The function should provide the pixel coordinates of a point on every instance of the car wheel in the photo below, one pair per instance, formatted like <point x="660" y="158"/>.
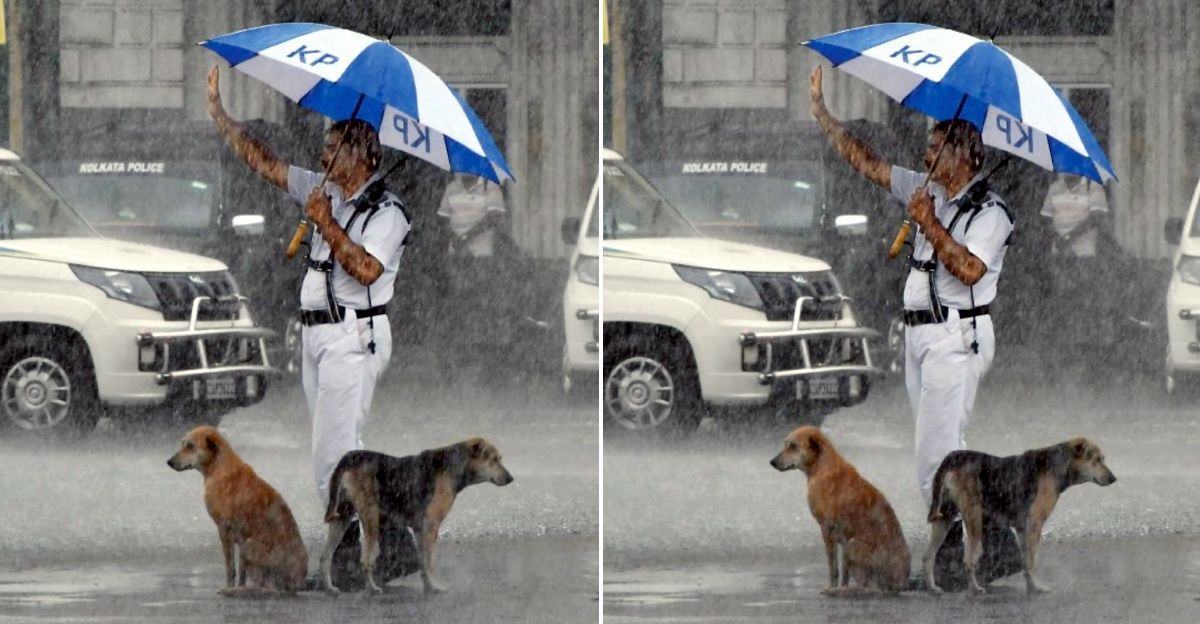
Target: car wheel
<point x="650" y="386"/>
<point x="46" y="387"/>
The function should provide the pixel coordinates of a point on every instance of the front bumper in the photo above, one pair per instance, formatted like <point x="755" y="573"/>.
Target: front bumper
<point x="829" y="364"/>
<point x="237" y="354"/>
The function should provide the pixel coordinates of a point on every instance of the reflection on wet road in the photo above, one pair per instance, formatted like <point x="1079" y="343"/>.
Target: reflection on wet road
<point x="103" y="528"/>
<point x="731" y="538"/>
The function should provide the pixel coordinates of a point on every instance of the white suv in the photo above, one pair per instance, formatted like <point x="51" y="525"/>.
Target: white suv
<point x="581" y="301"/>
<point x="691" y="321"/>
<point x="1183" y="302"/>
<point x="90" y="324"/>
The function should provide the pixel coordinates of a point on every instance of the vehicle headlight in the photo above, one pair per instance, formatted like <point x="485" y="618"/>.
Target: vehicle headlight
<point x="723" y="285"/>
<point x="1189" y="269"/>
<point x="587" y="269"/>
<point x="120" y="285"/>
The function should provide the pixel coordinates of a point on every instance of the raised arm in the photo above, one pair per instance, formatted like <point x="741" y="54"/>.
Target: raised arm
<point x="861" y="156"/>
<point x="258" y="156"/>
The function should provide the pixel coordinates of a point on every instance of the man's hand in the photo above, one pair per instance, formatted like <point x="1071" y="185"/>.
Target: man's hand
<point x="816" y="94"/>
<point x="215" y="109"/>
<point x="920" y="209"/>
<point x="862" y="157"/>
<point x="318" y="208"/>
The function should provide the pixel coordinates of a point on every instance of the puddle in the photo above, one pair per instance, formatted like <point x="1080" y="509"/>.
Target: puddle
<point x="654" y="587"/>
<point x="46" y="587"/>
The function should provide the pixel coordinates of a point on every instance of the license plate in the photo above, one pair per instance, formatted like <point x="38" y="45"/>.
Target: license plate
<point x="819" y="388"/>
<point x="220" y="388"/>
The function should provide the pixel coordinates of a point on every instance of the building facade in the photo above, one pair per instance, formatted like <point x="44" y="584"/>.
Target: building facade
<point x="1129" y="66"/>
<point x="82" y="70"/>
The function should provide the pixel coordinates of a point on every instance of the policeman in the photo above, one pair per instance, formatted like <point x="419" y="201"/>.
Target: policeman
<point x="352" y="262"/>
<point x="956" y="261"/>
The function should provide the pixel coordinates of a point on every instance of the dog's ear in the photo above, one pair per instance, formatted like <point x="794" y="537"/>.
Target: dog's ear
<point x="1078" y="447"/>
<point x="476" y="446"/>
<point x="210" y="443"/>
<point x="814" y="444"/>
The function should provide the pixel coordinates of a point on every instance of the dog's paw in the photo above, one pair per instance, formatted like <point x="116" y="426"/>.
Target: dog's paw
<point x="434" y="587"/>
<point x="1034" y="587"/>
<point x="978" y="590"/>
<point x="331" y="590"/>
<point x="934" y="589"/>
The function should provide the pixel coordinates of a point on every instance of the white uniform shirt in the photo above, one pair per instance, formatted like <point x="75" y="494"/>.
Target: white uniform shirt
<point x="986" y="240"/>
<point x="1069" y="204"/>
<point x="465" y="206"/>
<point x="381" y="238"/>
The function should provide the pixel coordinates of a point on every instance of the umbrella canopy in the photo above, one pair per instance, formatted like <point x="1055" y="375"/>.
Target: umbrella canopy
<point x="340" y="73"/>
<point x="939" y="72"/>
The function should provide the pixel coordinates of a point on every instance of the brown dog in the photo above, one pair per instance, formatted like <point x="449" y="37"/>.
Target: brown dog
<point x="250" y="515"/>
<point x="1018" y="491"/>
<point x="852" y="514"/>
<point x="416" y="491"/>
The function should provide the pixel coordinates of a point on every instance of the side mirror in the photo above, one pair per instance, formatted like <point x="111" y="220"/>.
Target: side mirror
<point x="248" y="225"/>
<point x="850" y="225"/>
<point x="570" y="231"/>
<point x="1173" y="230"/>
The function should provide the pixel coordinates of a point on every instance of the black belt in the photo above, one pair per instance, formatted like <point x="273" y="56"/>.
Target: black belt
<point x="309" y="318"/>
<point x="922" y="265"/>
<point x="925" y="317"/>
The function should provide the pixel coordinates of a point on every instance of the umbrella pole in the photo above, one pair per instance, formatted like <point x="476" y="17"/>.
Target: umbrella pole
<point x="302" y="227"/>
<point x="902" y="234"/>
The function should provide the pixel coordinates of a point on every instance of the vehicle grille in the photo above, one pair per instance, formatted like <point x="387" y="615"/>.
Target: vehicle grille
<point x="779" y="292"/>
<point x="176" y="291"/>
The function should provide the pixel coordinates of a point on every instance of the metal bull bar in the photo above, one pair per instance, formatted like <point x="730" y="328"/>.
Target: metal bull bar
<point x="161" y="361"/>
<point x="594" y="316"/>
<point x="768" y="340"/>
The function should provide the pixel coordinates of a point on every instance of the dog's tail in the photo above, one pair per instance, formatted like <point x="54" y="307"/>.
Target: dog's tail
<point x="936" y="512"/>
<point x="333" y="511"/>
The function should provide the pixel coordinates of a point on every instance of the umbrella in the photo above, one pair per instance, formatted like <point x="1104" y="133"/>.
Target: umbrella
<point x="343" y="74"/>
<point x="949" y="75"/>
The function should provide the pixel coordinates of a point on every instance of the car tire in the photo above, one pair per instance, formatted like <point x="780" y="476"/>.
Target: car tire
<point x="650" y="384"/>
<point x="47" y="388"/>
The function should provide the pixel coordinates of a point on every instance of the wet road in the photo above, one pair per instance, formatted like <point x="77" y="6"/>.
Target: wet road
<point x="731" y="539"/>
<point x="103" y="530"/>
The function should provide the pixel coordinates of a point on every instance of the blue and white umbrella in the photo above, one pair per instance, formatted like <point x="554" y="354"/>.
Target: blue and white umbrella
<point x="938" y="71"/>
<point x="340" y="73"/>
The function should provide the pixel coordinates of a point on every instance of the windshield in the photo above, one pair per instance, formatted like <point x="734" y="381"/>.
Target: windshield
<point x="634" y="209"/>
<point x="139" y="201"/>
<point x="29" y="208"/>
<point x="593" y="228"/>
<point x="753" y="195"/>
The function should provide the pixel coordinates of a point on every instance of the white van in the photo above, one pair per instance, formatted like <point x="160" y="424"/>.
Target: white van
<point x="691" y="321"/>
<point x="89" y="324"/>
<point x="581" y="301"/>
<point x="1183" y="301"/>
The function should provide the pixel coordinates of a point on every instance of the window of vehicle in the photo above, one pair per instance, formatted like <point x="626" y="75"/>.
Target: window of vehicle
<point x="163" y="202"/>
<point x="29" y="208"/>
<point x="635" y="209"/>
<point x="771" y="196"/>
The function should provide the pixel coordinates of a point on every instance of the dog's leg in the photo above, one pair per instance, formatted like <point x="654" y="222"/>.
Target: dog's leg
<point x="227" y="550"/>
<point x="337" y="530"/>
<point x="972" y="517"/>
<point x="428" y="542"/>
<point x="831" y="554"/>
<point x="937" y="534"/>
<point x="369" y="519"/>
<point x="1031" y="537"/>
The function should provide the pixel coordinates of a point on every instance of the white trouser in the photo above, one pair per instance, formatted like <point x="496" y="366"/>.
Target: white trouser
<point x="339" y="380"/>
<point x="942" y="374"/>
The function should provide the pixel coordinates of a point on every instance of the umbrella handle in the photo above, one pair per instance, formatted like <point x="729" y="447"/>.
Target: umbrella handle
<point x="898" y="242"/>
<point x="297" y="238"/>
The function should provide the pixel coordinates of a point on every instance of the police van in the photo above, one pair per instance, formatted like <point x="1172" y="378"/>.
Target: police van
<point x="692" y="322"/>
<point x="90" y="324"/>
